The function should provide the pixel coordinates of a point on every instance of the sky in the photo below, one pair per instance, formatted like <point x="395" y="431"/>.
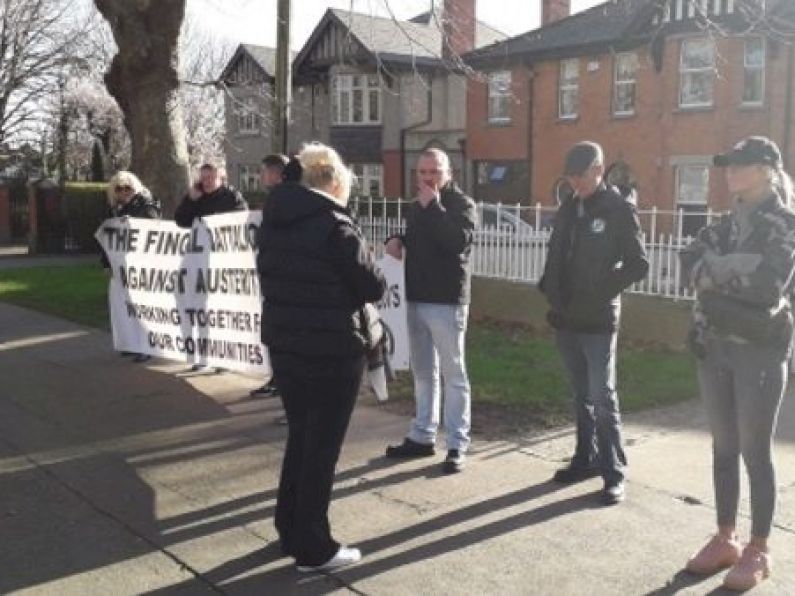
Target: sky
<point x="254" y="21"/>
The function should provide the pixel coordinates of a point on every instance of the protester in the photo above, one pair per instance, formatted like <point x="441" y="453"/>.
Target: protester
<point x="208" y="196"/>
<point x="440" y="226"/>
<point x="595" y="252"/>
<point x="128" y="197"/>
<point x="270" y="175"/>
<point x="742" y="269"/>
<point x="316" y="276"/>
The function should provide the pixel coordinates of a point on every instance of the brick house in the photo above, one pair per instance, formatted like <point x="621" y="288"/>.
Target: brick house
<point x="378" y="90"/>
<point x="658" y="85"/>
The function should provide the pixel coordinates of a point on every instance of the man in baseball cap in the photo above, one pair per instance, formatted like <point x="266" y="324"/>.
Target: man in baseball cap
<point x="595" y="253"/>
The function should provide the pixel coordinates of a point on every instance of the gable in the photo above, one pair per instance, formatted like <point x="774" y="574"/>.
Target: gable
<point x="250" y="65"/>
<point x="335" y="44"/>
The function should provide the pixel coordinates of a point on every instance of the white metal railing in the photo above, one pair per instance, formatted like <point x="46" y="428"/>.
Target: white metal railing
<point x="511" y="240"/>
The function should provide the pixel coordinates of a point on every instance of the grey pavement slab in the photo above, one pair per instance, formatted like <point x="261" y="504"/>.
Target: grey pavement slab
<point x="117" y="478"/>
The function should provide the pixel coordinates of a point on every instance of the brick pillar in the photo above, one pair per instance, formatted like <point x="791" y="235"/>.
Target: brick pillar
<point x="458" y="26"/>
<point x="554" y="10"/>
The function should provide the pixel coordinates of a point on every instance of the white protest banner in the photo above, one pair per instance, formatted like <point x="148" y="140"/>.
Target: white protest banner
<point x="392" y="308"/>
<point x="193" y="295"/>
<point x="187" y="294"/>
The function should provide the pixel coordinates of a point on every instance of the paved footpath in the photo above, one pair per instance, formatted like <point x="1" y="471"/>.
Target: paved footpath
<point x="118" y="478"/>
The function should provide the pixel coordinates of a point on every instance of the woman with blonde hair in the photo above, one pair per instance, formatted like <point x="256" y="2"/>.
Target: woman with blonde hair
<point x="128" y="197"/>
<point x="742" y="269"/>
<point x="316" y="276"/>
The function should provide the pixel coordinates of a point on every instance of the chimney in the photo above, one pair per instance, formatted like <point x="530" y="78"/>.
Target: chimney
<point x="554" y="10"/>
<point x="458" y="27"/>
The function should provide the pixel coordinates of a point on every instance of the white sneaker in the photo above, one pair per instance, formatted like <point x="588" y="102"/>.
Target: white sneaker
<point x="345" y="556"/>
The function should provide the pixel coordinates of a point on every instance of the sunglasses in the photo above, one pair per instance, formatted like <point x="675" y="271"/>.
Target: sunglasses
<point x="122" y="188"/>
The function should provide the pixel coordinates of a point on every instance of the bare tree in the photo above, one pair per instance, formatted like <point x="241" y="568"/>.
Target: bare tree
<point x="144" y="80"/>
<point x="38" y="39"/>
<point x="204" y="56"/>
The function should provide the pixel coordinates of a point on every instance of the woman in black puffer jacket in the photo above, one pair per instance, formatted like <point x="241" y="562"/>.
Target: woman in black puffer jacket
<point x="128" y="197"/>
<point x="316" y="275"/>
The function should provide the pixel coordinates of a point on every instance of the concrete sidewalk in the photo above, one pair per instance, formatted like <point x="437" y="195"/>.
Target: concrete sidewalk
<point x="118" y="478"/>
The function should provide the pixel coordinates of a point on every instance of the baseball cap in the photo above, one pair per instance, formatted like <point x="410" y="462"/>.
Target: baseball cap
<point x="581" y="157"/>
<point x="751" y="151"/>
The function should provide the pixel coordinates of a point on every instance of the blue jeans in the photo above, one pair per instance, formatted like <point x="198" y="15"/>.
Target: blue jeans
<point x="436" y="341"/>
<point x="590" y="362"/>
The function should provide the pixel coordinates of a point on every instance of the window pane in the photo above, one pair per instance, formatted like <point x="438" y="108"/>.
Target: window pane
<point x="755" y="52"/>
<point x="698" y="54"/>
<point x="345" y="107"/>
<point x="693" y="184"/>
<point x="626" y="67"/>
<point x="357" y="80"/>
<point x="358" y="105"/>
<point x="374" y="115"/>
<point x="569" y="102"/>
<point x="372" y="81"/>
<point x="625" y="98"/>
<point x="697" y="88"/>
<point x="569" y="69"/>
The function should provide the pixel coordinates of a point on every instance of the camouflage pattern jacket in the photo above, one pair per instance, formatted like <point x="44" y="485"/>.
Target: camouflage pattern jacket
<point x="743" y="276"/>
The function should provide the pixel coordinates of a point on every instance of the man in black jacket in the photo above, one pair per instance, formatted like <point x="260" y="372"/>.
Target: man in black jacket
<point x="440" y="228"/>
<point x="595" y="252"/>
<point x="209" y="196"/>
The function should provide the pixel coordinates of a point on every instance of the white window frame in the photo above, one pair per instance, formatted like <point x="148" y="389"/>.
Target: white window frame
<point x="692" y="164"/>
<point x="366" y="174"/>
<point x="499" y="99"/>
<point x="752" y="68"/>
<point x="344" y="89"/>
<point x="620" y="83"/>
<point x="248" y="120"/>
<point x="687" y="72"/>
<point x="569" y="85"/>
<point x="248" y="178"/>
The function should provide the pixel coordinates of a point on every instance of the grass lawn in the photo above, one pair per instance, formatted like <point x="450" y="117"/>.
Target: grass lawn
<point x="77" y="293"/>
<point x="520" y="371"/>
<point x="510" y="367"/>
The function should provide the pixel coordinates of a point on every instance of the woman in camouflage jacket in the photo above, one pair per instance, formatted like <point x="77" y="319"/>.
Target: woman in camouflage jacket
<point x="742" y="270"/>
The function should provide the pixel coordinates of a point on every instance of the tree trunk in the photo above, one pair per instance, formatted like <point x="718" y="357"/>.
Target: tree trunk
<point x="143" y="78"/>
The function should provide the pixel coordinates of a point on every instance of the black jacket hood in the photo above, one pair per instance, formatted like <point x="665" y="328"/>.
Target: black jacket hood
<point x="291" y="202"/>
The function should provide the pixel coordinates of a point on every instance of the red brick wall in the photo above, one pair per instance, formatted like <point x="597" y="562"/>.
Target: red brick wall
<point x="498" y="142"/>
<point x="659" y="130"/>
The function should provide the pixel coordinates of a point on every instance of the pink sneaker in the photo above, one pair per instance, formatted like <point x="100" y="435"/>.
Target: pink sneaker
<point x="717" y="554"/>
<point x="753" y="567"/>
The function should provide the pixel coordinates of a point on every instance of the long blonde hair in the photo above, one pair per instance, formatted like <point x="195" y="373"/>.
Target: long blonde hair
<point x="123" y="178"/>
<point x="323" y="169"/>
<point x="781" y="181"/>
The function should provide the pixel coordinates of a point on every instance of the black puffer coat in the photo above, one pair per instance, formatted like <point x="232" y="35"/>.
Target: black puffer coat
<point x="316" y="274"/>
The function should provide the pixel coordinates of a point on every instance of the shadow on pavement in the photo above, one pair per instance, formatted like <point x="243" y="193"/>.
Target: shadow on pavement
<point x="284" y="579"/>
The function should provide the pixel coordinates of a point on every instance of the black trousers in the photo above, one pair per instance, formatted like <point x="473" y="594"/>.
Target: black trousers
<point x="318" y="394"/>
